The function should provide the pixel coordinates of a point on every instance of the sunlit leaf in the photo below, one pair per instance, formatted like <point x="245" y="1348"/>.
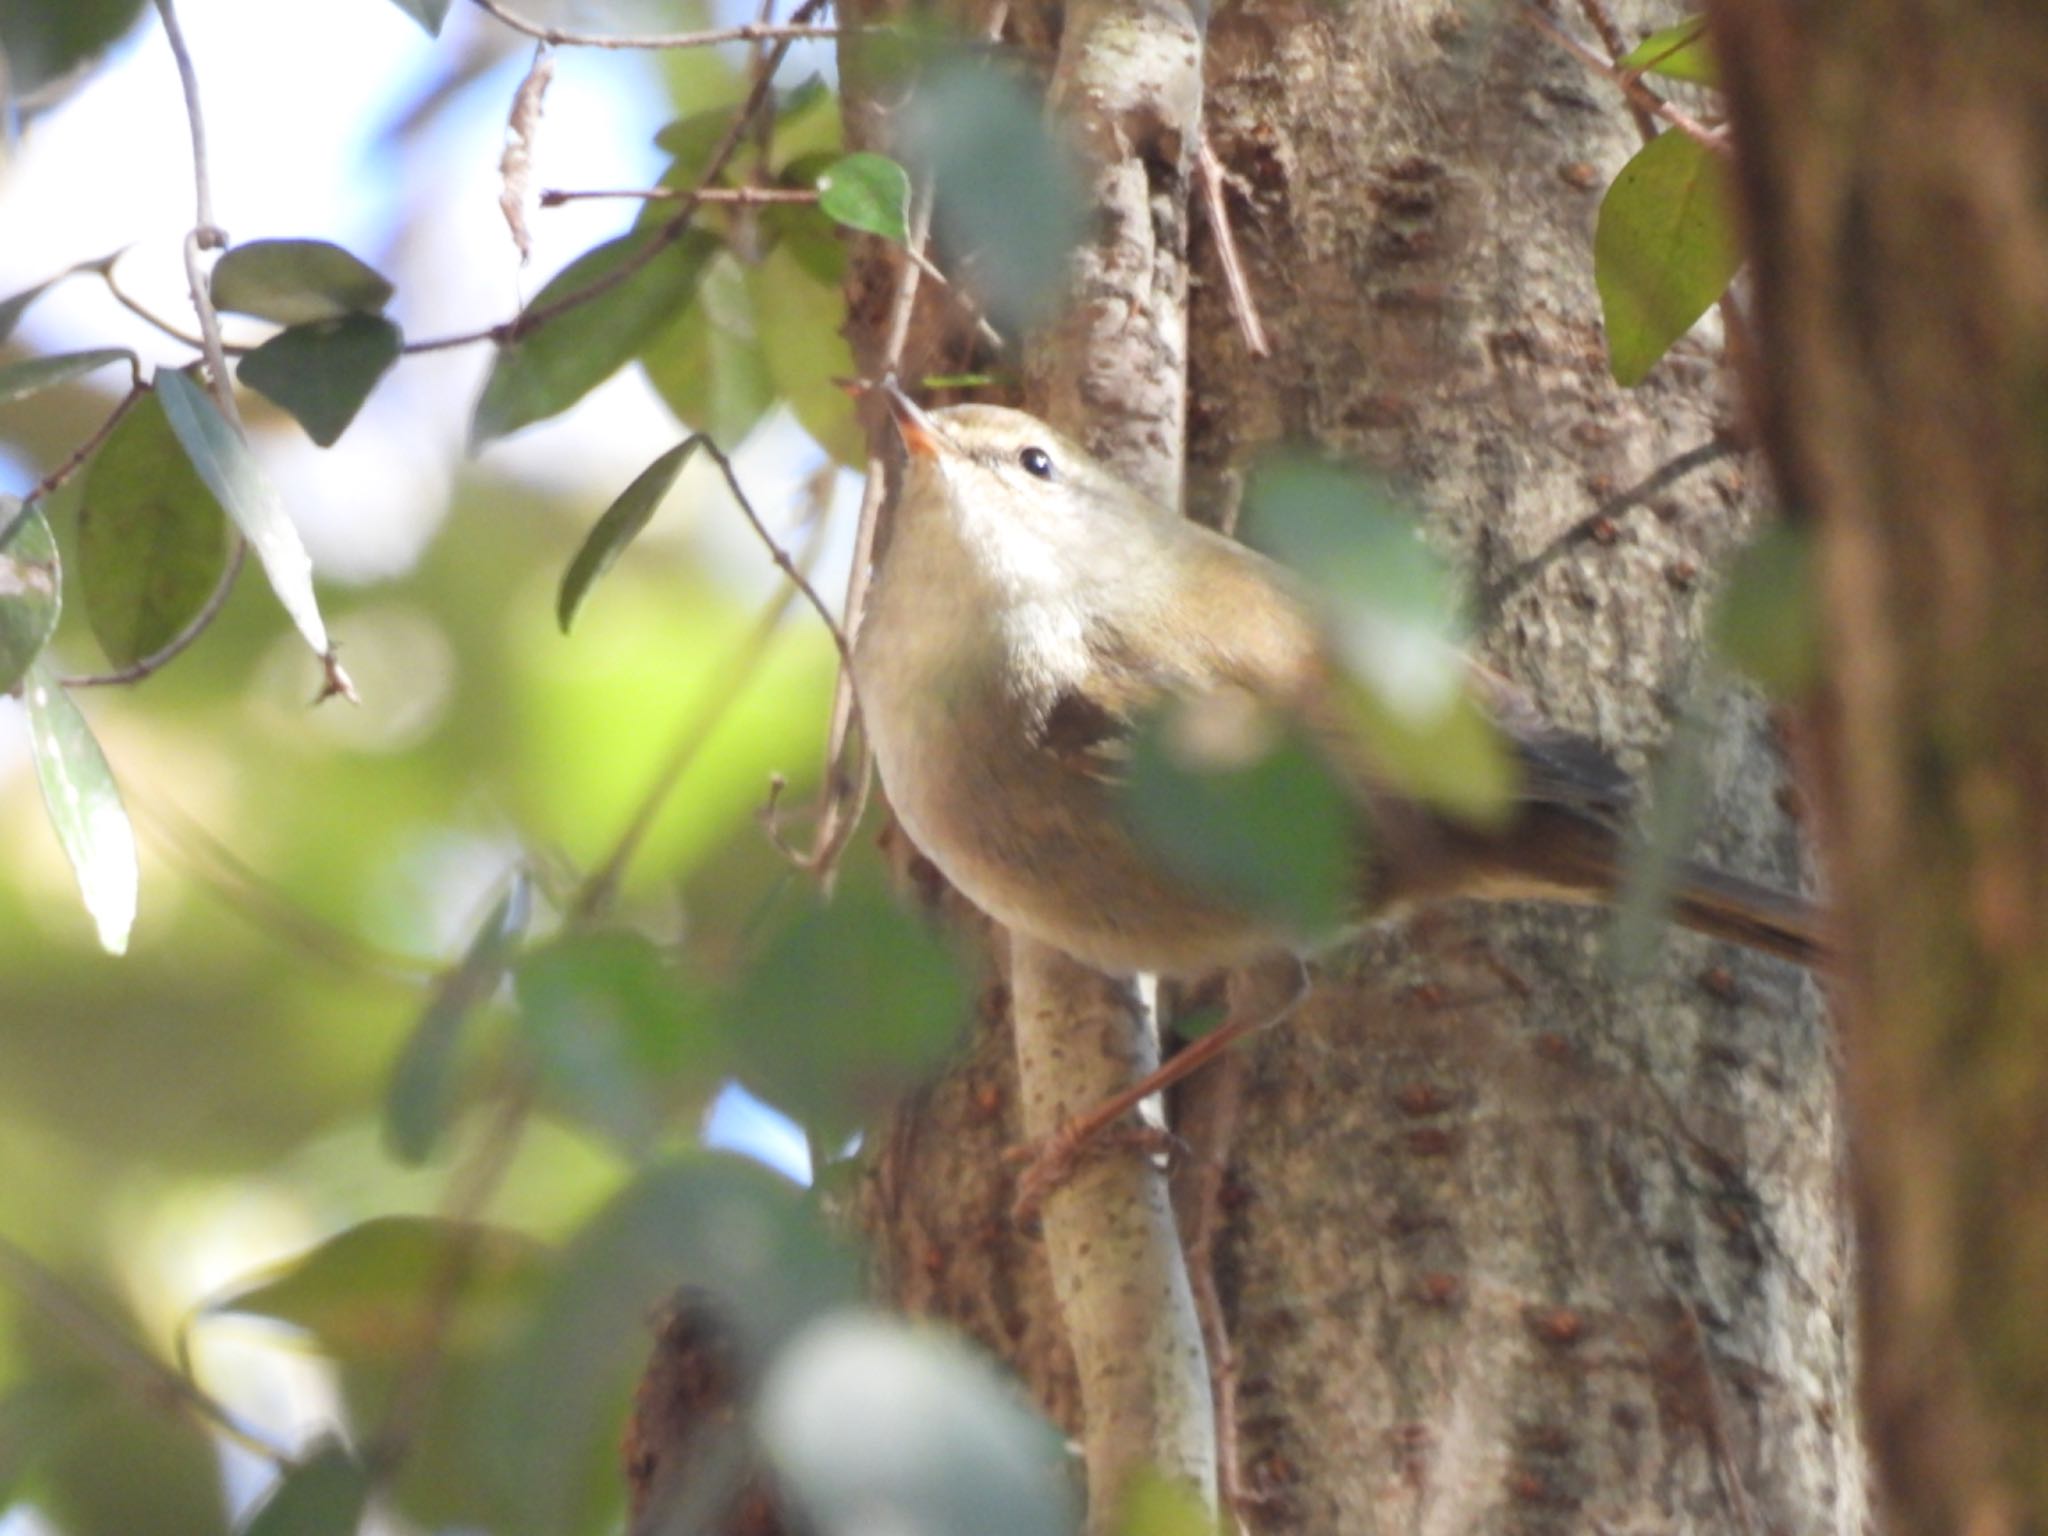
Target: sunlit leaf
<point x="1007" y="193"/>
<point x="32" y="375"/>
<point x="152" y="540"/>
<point x="707" y="363"/>
<point x="800" y="316"/>
<point x="31" y="590"/>
<point x="875" y="1425"/>
<point x="1767" y="621"/>
<point x="1682" y="51"/>
<point x="808" y="122"/>
<point x="744" y="1240"/>
<point x="1158" y="1506"/>
<point x="868" y="192"/>
<point x="621" y="523"/>
<point x="85" y="808"/>
<point x="1664" y="249"/>
<point x="898" y="996"/>
<point x="422" y="1091"/>
<point x="1456" y="759"/>
<point x="428" y="13"/>
<point x="322" y="1495"/>
<point x="323" y="371"/>
<point x="230" y="471"/>
<point x="1678" y="795"/>
<point x="577" y="348"/>
<point x="1255" y="817"/>
<point x="297" y="281"/>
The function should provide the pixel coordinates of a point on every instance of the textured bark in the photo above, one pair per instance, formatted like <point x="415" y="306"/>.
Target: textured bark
<point x="1507" y="1246"/>
<point x="1893" y="163"/>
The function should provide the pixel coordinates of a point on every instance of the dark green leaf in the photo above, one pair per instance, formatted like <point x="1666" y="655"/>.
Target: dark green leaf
<point x="32" y="375"/>
<point x="800" y="318"/>
<point x="876" y="1425"/>
<point x="295" y="282"/>
<point x="230" y="471"/>
<point x="707" y="363"/>
<point x="31" y="590"/>
<point x="1255" y="817"/>
<point x="1767" y="622"/>
<point x="15" y="305"/>
<point x="1679" y="52"/>
<point x="744" y="1241"/>
<point x="152" y="541"/>
<point x="129" y="1466"/>
<point x="868" y="192"/>
<point x="898" y="995"/>
<point x="84" y="806"/>
<point x="45" y="40"/>
<point x="1678" y="794"/>
<point x="1007" y="193"/>
<point x="689" y="141"/>
<point x="422" y="1091"/>
<point x="428" y="13"/>
<point x="1663" y="251"/>
<point x="570" y="353"/>
<point x="619" y="526"/>
<point x="323" y="1495"/>
<point x="323" y="371"/>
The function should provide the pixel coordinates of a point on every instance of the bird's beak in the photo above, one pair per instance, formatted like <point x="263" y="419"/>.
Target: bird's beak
<point x="922" y="437"/>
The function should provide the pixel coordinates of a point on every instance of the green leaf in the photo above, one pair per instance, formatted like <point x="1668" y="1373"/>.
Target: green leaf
<point x="876" y="1425"/>
<point x="707" y="363"/>
<point x="1263" y="826"/>
<point x="152" y="541"/>
<point x="31" y="590"/>
<point x="323" y="371"/>
<point x="800" y="317"/>
<point x="46" y="41"/>
<point x="1158" y="1506"/>
<point x="422" y="1091"/>
<point x="297" y="281"/>
<point x="1663" y="250"/>
<point x="1006" y="193"/>
<point x="428" y="13"/>
<point x="1679" y="52"/>
<point x="619" y="526"/>
<point x="321" y="1495"/>
<point x="367" y="1293"/>
<point x="32" y="375"/>
<point x="868" y="192"/>
<point x="85" y="808"/>
<point x="898" y="992"/>
<point x="1767" y="621"/>
<point x="807" y="122"/>
<point x="230" y="471"/>
<point x="129" y="1466"/>
<point x="570" y="353"/>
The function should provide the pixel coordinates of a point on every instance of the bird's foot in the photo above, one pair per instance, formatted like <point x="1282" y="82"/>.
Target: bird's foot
<point x="1048" y="1163"/>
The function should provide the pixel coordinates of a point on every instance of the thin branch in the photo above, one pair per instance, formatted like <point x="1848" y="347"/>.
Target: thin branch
<point x="743" y="196"/>
<point x="205" y="234"/>
<point x="85" y="450"/>
<point x="169" y="328"/>
<point x="1632" y="87"/>
<point x="1209" y="171"/>
<point x="779" y="555"/>
<point x="1603" y="22"/>
<point x="750" y="32"/>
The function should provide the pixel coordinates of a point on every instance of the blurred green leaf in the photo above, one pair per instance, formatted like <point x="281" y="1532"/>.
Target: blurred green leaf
<point x="15" y="305"/>
<point x="32" y="375"/>
<point x="1455" y="760"/>
<point x="152" y="540"/>
<point x="322" y="371"/>
<point x="1678" y="52"/>
<point x="45" y="40"/>
<point x="1158" y="1506"/>
<point x="807" y="122"/>
<point x="621" y="523"/>
<point x="322" y="1495"/>
<point x="707" y="363"/>
<point x="368" y="1293"/>
<point x="1678" y="794"/>
<point x="1766" y="622"/>
<point x="422" y="1092"/>
<point x="721" y="1226"/>
<point x="689" y="141"/>
<point x="428" y="13"/>
<point x="868" y="192"/>
<point x="800" y="316"/>
<point x="1264" y="826"/>
<point x="295" y="282"/>
<point x="31" y="590"/>
<point x="895" y="1005"/>
<point x="875" y="1425"/>
<point x="238" y="483"/>
<point x="38" y="1416"/>
<point x="1007" y="194"/>
<point x="129" y="1466"/>
<point x="572" y="352"/>
<point x="608" y="1019"/>
<point x="85" y="807"/>
<point x="1664" y="249"/>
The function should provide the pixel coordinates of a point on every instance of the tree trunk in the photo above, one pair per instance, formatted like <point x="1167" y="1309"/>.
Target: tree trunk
<point x="1893" y="165"/>
<point x="1504" y="1245"/>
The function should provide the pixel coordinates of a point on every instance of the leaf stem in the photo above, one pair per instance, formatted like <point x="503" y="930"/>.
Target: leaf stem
<point x="749" y="32"/>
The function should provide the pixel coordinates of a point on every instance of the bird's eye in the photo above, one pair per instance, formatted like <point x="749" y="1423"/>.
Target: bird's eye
<point x="1036" y="461"/>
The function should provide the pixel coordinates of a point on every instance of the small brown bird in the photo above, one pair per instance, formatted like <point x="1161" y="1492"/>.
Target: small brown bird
<point x="1031" y="606"/>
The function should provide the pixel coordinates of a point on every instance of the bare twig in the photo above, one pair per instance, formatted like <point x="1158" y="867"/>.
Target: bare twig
<point x="743" y="196"/>
<point x="749" y="32"/>
<point x="778" y="554"/>
<point x="1210" y="171"/>
<point x="142" y="311"/>
<point x="1631" y="86"/>
<point x="1602" y="22"/>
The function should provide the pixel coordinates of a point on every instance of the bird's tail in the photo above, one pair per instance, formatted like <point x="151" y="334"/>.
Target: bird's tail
<point x="1725" y="906"/>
